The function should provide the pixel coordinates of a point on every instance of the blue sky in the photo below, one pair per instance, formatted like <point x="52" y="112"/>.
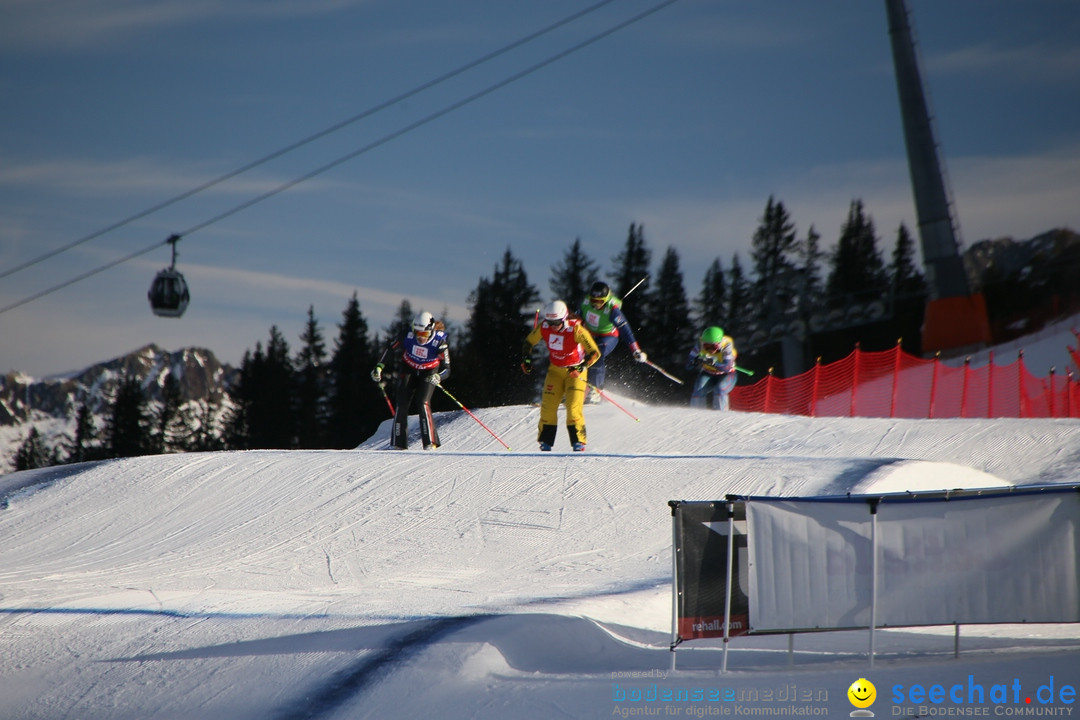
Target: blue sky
<point x="686" y="121"/>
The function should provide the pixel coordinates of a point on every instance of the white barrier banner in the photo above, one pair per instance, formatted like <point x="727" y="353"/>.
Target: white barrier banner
<point x="809" y="565"/>
<point x="997" y="559"/>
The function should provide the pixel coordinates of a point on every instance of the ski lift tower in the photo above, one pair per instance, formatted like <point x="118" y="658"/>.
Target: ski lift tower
<point x="955" y="318"/>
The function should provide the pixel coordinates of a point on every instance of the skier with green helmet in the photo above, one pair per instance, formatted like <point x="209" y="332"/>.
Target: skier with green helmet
<point x="602" y="316"/>
<point x="714" y="358"/>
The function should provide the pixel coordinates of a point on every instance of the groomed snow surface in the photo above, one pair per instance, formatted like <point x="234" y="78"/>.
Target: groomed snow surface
<point x="476" y="582"/>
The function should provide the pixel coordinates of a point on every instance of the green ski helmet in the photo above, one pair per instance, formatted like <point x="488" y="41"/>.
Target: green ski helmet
<point x="712" y="336"/>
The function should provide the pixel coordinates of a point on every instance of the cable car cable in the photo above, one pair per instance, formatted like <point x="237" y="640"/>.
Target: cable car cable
<point x="83" y="276"/>
<point x="431" y="117"/>
<point x="370" y="146"/>
<point x="309" y="139"/>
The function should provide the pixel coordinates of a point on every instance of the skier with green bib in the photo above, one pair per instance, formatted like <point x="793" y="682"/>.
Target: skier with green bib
<point x="602" y="316"/>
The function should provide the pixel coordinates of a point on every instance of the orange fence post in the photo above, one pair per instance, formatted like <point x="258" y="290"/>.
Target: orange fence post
<point x="1051" y="403"/>
<point x="1022" y="404"/>
<point x="816" y="387"/>
<point x="895" y="379"/>
<point x="854" y="381"/>
<point x="963" y="391"/>
<point x="768" y="391"/>
<point x="1068" y="393"/>
<point x="933" y="383"/>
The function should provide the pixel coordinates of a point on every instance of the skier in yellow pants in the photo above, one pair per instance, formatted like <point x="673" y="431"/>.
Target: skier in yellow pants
<point x="571" y="350"/>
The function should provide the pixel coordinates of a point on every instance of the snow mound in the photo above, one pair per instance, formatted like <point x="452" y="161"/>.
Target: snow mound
<point x="924" y="476"/>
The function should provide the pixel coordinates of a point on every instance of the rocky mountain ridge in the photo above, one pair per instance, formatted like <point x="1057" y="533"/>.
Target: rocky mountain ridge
<point x="50" y="405"/>
<point x="1005" y="257"/>
<point x="199" y="375"/>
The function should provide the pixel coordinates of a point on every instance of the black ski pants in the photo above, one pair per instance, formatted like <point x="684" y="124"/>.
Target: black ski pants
<point x="413" y="387"/>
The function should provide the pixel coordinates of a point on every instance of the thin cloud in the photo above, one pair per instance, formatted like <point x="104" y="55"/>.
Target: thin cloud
<point x="1031" y="63"/>
<point x="245" y="287"/>
<point x="139" y="175"/>
<point x="65" y="25"/>
<point x="734" y="35"/>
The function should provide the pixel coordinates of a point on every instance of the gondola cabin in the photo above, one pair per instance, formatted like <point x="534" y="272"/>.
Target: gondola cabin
<point x="169" y="294"/>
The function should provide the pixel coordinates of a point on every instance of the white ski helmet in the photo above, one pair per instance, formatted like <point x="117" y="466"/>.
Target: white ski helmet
<point x="556" y="312"/>
<point x="423" y="325"/>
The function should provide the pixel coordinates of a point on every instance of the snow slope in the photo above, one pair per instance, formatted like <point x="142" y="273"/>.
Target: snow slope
<point x="467" y="582"/>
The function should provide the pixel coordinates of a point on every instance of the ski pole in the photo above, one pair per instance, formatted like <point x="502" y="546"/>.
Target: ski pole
<point x="608" y="398"/>
<point x="663" y="372"/>
<point x="715" y="366"/>
<point x="472" y="416"/>
<point x="382" y="388"/>
<point x="635" y="286"/>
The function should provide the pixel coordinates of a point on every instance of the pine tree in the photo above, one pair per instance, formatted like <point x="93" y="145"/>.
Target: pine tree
<point x="631" y="267"/>
<point x="34" y="452"/>
<point x="573" y="276"/>
<point x="906" y="279"/>
<point x="84" y="446"/>
<point x="739" y="314"/>
<point x="264" y="398"/>
<point x="277" y="397"/>
<point x="710" y="307"/>
<point x="632" y="264"/>
<point x="502" y="314"/>
<point x="128" y="430"/>
<point x="311" y="391"/>
<point x="170" y="428"/>
<point x="858" y="271"/>
<point x="202" y="420"/>
<point x="775" y="253"/>
<point x="813" y="289"/>
<point x="672" y="332"/>
<point x="356" y="409"/>
<point x="909" y="293"/>
<point x="240" y="426"/>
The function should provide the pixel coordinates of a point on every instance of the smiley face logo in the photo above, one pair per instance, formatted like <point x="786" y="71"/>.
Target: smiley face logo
<point x="862" y="693"/>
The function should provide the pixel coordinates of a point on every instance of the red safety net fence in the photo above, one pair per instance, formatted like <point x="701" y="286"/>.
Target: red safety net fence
<point x="893" y="383"/>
